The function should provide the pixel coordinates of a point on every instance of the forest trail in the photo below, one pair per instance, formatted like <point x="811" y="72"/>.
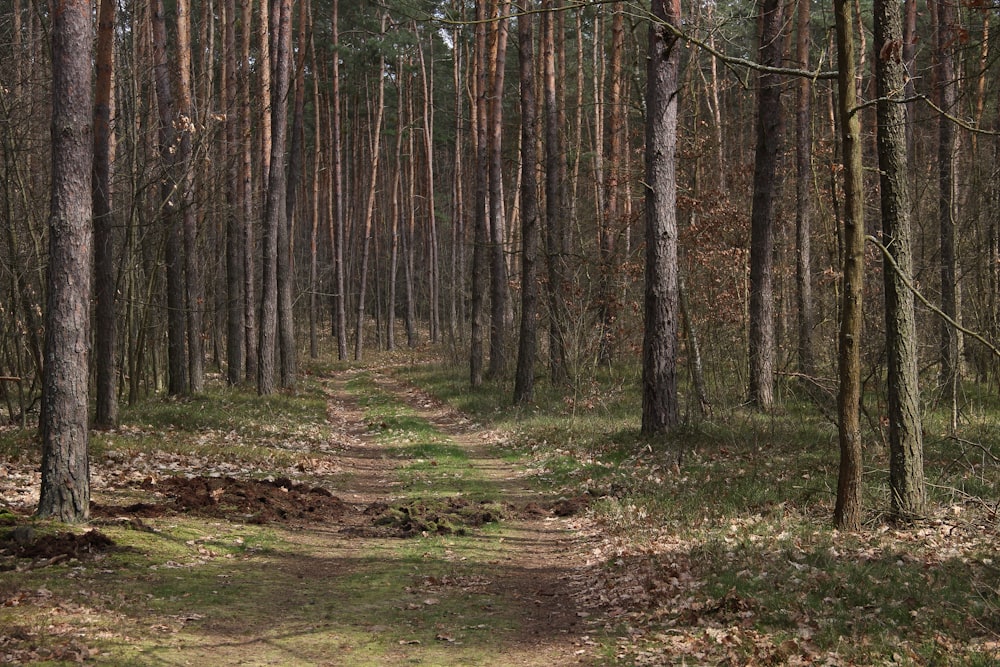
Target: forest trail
<point x="521" y="571"/>
<point x="386" y="532"/>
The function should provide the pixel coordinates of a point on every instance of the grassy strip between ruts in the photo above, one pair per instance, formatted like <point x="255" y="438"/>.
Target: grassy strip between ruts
<point x="238" y="586"/>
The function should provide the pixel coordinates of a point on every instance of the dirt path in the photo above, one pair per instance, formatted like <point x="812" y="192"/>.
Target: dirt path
<point x="281" y="546"/>
<point x="535" y="558"/>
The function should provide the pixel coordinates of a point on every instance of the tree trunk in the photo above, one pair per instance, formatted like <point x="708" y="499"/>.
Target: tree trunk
<point x="847" y="514"/>
<point x="434" y="282"/>
<point x="105" y="331"/>
<point x="612" y="218"/>
<point x="250" y="335"/>
<point x="276" y="223"/>
<point x="456" y="298"/>
<point x="762" y="216"/>
<point x="410" y="231"/>
<point x="906" y="472"/>
<point x="370" y="207"/>
<point x="498" y="265"/>
<point x="480" y="223"/>
<point x="554" y="210"/>
<point x="803" y="196"/>
<point x="65" y="485"/>
<point x="194" y="296"/>
<point x="524" y="379"/>
<point x="176" y="322"/>
<point x="395" y="215"/>
<point x="317" y="198"/>
<point x="340" y="296"/>
<point x="661" y="303"/>
<point x="235" y="311"/>
<point x="948" y="97"/>
<point x="286" y="313"/>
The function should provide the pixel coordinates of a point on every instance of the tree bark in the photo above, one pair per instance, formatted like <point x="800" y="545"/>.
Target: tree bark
<point x="456" y="297"/>
<point x="498" y="265"/>
<point x="555" y="211"/>
<point x="235" y="310"/>
<point x="948" y="97"/>
<point x="480" y="223"/>
<point x="762" y="217"/>
<point x="661" y="303"/>
<point x="247" y="201"/>
<point x="169" y="210"/>
<point x="433" y="280"/>
<point x="608" y="303"/>
<point x="524" y="379"/>
<point x="803" y="196"/>
<point x="276" y="223"/>
<point x="194" y="295"/>
<point x="65" y="485"/>
<point x="340" y="296"/>
<point x="106" y="329"/>
<point x="906" y="473"/>
<point x="370" y="206"/>
<point x="317" y="199"/>
<point x="847" y="514"/>
<point x="286" y="278"/>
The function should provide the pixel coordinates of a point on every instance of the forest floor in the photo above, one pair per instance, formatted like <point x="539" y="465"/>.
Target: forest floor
<point x="391" y="515"/>
<point x="394" y="535"/>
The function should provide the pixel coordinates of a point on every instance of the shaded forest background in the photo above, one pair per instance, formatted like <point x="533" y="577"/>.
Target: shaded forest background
<point x="288" y="179"/>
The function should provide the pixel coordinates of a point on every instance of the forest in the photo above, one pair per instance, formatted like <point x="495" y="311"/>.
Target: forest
<point x="735" y="232"/>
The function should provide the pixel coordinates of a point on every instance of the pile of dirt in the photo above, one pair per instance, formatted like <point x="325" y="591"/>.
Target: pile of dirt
<point x="254" y="501"/>
<point x="50" y="548"/>
<point x="448" y="516"/>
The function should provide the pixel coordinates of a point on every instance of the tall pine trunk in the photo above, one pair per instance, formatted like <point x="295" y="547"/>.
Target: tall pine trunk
<point x="661" y="301"/>
<point x="251" y="330"/>
<point x="169" y="208"/>
<point x="524" y="379"/>
<point x="555" y="223"/>
<point x="498" y="265"/>
<point x="106" y="328"/>
<point x="947" y="37"/>
<point x="480" y="222"/>
<point x="340" y="294"/>
<point x="762" y="216"/>
<point x="370" y="205"/>
<point x="906" y="474"/>
<point x="193" y="286"/>
<point x="847" y="513"/>
<point x="65" y="486"/>
<point x="235" y="311"/>
<point x="803" y="196"/>
<point x="276" y="222"/>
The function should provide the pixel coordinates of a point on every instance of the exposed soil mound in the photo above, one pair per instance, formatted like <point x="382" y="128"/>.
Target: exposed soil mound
<point x="254" y="501"/>
<point x="442" y="517"/>
<point x="25" y="542"/>
<point x="257" y="501"/>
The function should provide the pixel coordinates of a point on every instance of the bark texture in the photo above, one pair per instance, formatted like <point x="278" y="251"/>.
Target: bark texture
<point x="661" y="305"/>
<point x="906" y="472"/>
<point x="524" y="379"/>
<point x="847" y="514"/>
<point x="65" y="486"/>
<point x="106" y="328"/>
<point x="762" y="222"/>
